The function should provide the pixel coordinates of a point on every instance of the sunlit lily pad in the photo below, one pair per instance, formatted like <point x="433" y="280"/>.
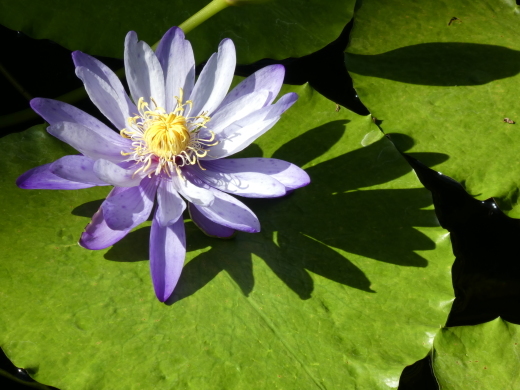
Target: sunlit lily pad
<point x="479" y="357"/>
<point x="446" y="74"/>
<point x="347" y="283"/>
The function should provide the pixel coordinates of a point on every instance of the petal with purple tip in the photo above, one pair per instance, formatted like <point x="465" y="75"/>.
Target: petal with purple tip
<point x="228" y="211"/>
<point x="167" y="254"/>
<point x="54" y="111"/>
<point x="105" y="98"/>
<point x="41" y="178"/>
<point x="143" y="71"/>
<point x="269" y="78"/>
<point x="248" y="184"/>
<point x="76" y="168"/>
<point x="97" y="234"/>
<point x="243" y="132"/>
<point x="208" y="226"/>
<point x="214" y="80"/>
<point x="130" y="206"/>
<point x="95" y="66"/>
<point x="85" y="141"/>
<point x="286" y="173"/>
<point x="234" y="111"/>
<point x="170" y="204"/>
<point x="178" y="64"/>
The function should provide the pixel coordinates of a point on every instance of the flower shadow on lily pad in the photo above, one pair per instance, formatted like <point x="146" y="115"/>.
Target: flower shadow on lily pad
<point x="310" y="230"/>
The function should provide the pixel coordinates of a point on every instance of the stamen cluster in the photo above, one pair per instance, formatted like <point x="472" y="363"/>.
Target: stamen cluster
<point x="169" y="139"/>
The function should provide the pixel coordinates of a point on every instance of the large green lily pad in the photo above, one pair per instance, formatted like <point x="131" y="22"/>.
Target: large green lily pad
<point x="445" y="73"/>
<point x="274" y="29"/>
<point x="348" y="282"/>
<point x="479" y="357"/>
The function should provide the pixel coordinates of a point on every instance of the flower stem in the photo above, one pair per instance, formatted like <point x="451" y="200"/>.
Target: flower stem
<point x="201" y="16"/>
<point x="78" y="94"/>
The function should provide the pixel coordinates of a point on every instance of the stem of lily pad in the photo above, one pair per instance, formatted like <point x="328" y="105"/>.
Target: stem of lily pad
<point x="15" y="83"/>
<point x="74" y="96"/>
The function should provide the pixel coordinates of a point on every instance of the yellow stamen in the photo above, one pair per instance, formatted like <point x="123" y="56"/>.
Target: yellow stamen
<point x="169" y="139"/>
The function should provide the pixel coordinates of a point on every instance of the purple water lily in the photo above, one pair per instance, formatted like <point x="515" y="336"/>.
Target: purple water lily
<point x="174" y="137"/>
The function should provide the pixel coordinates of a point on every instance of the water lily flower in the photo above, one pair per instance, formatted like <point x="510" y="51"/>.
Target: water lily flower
<point x="174" y="137"/>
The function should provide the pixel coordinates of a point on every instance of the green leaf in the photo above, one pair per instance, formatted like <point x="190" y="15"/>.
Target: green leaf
<point x="275" y="29"/>
<point x="445" y="74"/>
<point x="478" y="357"/>
<point x="347" y="283"/>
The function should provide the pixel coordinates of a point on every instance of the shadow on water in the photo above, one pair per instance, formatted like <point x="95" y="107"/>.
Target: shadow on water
<point x="439" y="63"/>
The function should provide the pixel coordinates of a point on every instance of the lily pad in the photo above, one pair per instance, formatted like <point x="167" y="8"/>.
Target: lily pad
<point x="479" y="357"/>
<point x="446" y="74"/>
<point x="347" y="283"/>
<point x="276" y="29"/>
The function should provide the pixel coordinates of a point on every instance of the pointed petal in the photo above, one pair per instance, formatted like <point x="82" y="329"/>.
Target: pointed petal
<point x="171" y="205"/>
<point x="248" y="184"/>
<point x="286" y="173"/>
<point x="243" y="132"/>
<point x="242" y="138"/>
<point x="228" y="211"/>
<point x="113" y="174"/>
<point x="167" y="254"/>
<point x="235" y="111"/>
<point x="214" y="80"/>
<point x="269" y="78"/>
<point x="178" y="64"/>
<point x="97" y="234"/>
<point x="54" y="111"/>
<point x="143" y="71"/>
<point x="86" y="141"/>
<point x="76" y="168"/>
<point x="127" y="107"/>
<point x="191" y="192"/>
<point x="107" y="101"/>
<point x="130" y="206"/>
<point x="209" y="227"/>
<point x="41" y="178"/>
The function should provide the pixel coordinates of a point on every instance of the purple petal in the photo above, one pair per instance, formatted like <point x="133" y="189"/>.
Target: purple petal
<point x="228" y="211"/>
<point x="86" y="141"/>
<point x="105" y="73"/>
<point x="208" y="226"/>
<point x="171" y="205"/>
<point x="143" y="71"/>
<point x="243" y="132"/>
<point x="235" y="111"/>
<point x="130" y="206"/>
<point x="54" y="111"/>
<point x="167" y="254"/>
<point x="106" y="99"/>
<point x="269" y="78"/>
<point x="178" y="64"/>
<point x="76" y="168"/>
<point x="191" y="192"/>
<point x="214" y="80"/>
<point x="97" y="234"/>
<point x="248" y="184"/>
<point x="116" y="175"/>
<point x="286" y="173"/>
<point x="41" y="178"/>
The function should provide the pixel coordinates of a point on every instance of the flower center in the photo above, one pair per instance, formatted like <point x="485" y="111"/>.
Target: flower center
<point x="166" y="134"/>
<point x="169" y="139"/>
